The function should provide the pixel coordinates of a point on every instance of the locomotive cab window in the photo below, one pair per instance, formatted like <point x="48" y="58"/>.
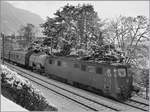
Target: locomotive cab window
<point x="17" y="56"/>
<point x="59" y="63"/>
<point x="99" y="70"/>
<point x="50" y="61"/>
<point x="122" y="72"/>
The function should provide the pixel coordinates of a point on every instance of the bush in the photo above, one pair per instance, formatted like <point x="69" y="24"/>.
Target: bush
<point x="140" y="76"/>
<point x="22" y="92"/>
<point x="141" y="80"/>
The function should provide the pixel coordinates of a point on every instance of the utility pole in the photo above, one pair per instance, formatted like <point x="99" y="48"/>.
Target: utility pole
<point x="85" y="36"/>
<point x="2" y="46"/>
<point x="51" y="45"/>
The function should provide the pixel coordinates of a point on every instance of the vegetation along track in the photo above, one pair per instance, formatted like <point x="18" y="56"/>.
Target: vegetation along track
<point x="86" y="102"/>
<point x="132" y="103"/>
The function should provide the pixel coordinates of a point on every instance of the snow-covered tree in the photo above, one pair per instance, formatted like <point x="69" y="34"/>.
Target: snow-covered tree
<point x="79" y="25"/>
<point x="130" y="34"/>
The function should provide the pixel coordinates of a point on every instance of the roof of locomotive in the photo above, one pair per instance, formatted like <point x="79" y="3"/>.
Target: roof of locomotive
<point x="38" y="53"/>
<point x="19" y="51"/>
<point x="76" y="58"/>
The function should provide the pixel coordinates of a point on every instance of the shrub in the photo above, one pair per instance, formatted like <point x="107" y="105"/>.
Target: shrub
<point x="22" y="92"/>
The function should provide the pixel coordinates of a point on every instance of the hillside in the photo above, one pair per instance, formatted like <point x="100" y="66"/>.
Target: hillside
<point x="12" y="18"/>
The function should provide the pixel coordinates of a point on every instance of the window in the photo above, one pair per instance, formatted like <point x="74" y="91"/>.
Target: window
<point x="83" y="67"/>
<point x="122" y="72"/>
<point x="50" y="61"/>
<point x="59" y="63"/>
<point x="99" y="70"/>
<point x="76" y="65"/>
<point x="17" y="56"/>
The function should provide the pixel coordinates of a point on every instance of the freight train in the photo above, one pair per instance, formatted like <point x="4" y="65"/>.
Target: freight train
<point x="112" y="80"/>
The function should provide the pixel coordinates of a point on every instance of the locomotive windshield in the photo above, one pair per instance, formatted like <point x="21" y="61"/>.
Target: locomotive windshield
<point x="122" y="72"/>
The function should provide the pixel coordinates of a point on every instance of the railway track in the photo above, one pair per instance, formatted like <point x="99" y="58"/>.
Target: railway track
<point x="137" y="104"/>
<point x="88" y="103"/>
<point x="83" y="101"/>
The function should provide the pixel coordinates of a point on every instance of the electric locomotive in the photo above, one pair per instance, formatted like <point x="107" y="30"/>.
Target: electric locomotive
<point x="109" y="80"/>
<point x="112" y="80"/>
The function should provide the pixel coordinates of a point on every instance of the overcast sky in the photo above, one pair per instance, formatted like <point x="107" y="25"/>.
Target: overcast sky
<point x="105" y="9"/>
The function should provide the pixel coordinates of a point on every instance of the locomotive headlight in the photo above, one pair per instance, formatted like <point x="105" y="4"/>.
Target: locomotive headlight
<point x="115" y="72"/>
<point x="122" y="72"/>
